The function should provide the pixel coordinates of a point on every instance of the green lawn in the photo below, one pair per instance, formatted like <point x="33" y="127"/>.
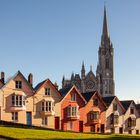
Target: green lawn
<point x="28" y="133"/>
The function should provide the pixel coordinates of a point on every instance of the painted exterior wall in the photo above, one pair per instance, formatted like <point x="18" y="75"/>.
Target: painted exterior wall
<point x="125" y="120"/>
<point x="38" y="113"/>
<point x="6" y="101"/>
<point x="86" y="111"/>
<point x="108" y="127"/>
<point x="67" y="121"/>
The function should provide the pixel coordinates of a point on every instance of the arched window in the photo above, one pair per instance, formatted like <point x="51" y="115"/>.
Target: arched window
<point x="107" y="63"/>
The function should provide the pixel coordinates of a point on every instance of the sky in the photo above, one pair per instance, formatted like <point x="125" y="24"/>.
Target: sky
<point x="51" y="38"/>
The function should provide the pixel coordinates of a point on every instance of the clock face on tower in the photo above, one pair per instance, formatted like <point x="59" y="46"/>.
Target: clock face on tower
<point x="90" y="84"/>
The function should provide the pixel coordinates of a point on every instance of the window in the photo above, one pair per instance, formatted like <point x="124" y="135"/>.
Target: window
<point x="107" y="63"/>
<point x="131" y="110"/>
<point x="69" y="125"/>
<point x="18" y="100"/>
<point x="47" y="106"/>
<point x="14" y="116"/>
<point x="114" y="107"/>
<point x="116" y="119"/>
<point x="47" y="91"/>
<point x="95" y="102"/>
<point x="45" y="121"/>
<point x="73" y="97"/>
<point x="94" y="115"/>
<point x="72" y="111"/>
<point x="112" y="118"/>
<point x="131" y="122"/>
<point x="18" y="84"/>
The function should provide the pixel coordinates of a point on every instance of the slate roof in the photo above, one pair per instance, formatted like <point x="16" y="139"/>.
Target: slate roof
<point x="39" y="85"/>
<point x="126" y="103"/>
<point x="108" y="100"/>
<point x="65" y="90"/>
<point x="88" y="95"/>
<point x="137" y="106"/>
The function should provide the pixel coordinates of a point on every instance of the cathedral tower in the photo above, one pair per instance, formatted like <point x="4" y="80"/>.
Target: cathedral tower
<point x="105" y="72"/>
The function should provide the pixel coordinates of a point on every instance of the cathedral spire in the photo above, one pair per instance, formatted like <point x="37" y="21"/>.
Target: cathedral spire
<point x="105" y="28"/>
<point x="83" y="71"/>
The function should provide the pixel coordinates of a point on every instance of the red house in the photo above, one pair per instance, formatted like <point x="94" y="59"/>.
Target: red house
<point x="93" y="115"/>
<point x="72" y="105"/>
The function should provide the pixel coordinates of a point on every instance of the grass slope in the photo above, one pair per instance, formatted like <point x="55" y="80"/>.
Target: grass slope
<point x="7" y="132"/>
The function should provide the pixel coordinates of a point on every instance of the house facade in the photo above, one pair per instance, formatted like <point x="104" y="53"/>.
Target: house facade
<point x="16" y="100"/>
<point x="72" y="106"/>
<point x="94" y="113"/>
<point x="46" y="105"/>
<point x="114" y="115"/>
<point x="131" y="119"/>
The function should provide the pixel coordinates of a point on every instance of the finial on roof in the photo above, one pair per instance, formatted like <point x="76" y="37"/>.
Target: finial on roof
<point x="90" y="67"/>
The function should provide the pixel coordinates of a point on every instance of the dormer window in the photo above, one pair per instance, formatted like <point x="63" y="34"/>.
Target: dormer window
<point x="47" y="91"/>
<point x="131" y="110"/>
<point x="18" y="84"/>
<point x="95" y="102"/>
<point x="73" y="97"/>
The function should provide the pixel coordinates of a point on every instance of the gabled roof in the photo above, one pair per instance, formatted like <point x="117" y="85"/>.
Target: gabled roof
<point x="88" y="95"/>
<point x="41" y="84"/>
<point x="126" y="103"/>
<point x="18" y="73"/>
<point x="108" y="100"/>
<point x="65" y="91"/>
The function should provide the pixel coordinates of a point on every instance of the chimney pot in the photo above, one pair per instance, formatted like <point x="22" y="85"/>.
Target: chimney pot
<point x="2" y="77"/>
<point x="30" y="79"/>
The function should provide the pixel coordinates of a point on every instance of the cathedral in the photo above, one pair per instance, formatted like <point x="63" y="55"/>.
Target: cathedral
<point x="103" y="81"/>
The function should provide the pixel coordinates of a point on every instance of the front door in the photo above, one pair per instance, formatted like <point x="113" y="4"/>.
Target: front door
<point x="80" y="126"/>
<point x="120" y="130"/>
<point x="56" y="122"/>
<point x="28" y="118"/>
<point x="102" y="128"/>
<point x="92" y="128"/>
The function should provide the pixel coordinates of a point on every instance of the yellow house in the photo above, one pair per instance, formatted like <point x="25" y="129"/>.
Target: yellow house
<point x="46" y="109"/>
<point x="16" y="102"/>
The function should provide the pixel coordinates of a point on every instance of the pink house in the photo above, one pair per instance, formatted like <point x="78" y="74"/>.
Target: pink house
<point x="72" y="105"/>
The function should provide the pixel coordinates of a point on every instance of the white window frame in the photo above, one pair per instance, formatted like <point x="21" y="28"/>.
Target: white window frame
<point x="72" y="111"/>
<point x="45" y="120"/>
<point x="73" y="97"/>
<point x="47" y="91"/>
<point x="47" y="106"/>
<point x="18" y="100"/>
<point x="15" y="116"/>
<point x="18" y="84"/>
<point x="69" y="125"/>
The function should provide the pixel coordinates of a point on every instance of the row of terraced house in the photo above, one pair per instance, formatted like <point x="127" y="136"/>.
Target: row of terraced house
<point x="66" y="109"/>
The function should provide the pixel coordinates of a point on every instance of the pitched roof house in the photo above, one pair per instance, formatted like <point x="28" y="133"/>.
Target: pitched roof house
<point x="93" y="113"/>
<point x="46" y="105"/>
<point x="114" y="115"/>
<point x="131" y="118"/>
<point x="72" y="105"/>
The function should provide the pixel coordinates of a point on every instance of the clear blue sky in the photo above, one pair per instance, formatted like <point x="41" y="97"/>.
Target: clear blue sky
<point x="51" y="38"/>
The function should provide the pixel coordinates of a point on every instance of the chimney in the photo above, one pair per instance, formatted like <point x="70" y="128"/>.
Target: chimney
<point x="30" y="79"/>
<point x="2" y="77"/>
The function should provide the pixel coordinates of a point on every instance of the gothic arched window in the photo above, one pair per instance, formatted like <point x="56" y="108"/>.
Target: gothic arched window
<point x="107" y="63"/>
